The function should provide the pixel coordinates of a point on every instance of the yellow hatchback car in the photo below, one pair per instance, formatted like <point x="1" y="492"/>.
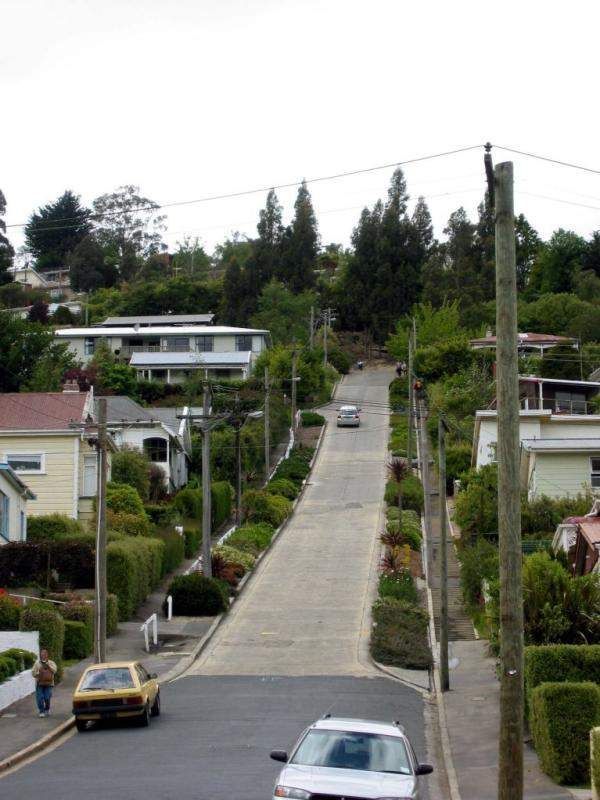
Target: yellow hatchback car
<point x="116" y="690"/>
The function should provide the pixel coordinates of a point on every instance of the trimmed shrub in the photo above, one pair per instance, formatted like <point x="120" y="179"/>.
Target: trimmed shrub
<point x="134" y="568"/>
<point x="52" y="526"/>
<point x="78" y="642"/>
<point x="260" y="506"/>
<point x="283" y="487"/>
<point x="399" y="637"/>
<point x="162" y="514"/>
<point x="412" y="493"/>
<point x="297" y="466"/>
<point x="26" y="563"/>
<point x="128" y="524"/>
<point x="252" y="538"/>
<point x="76" y="611"/>
<point x="23" y="658"/>
<point x="174" y="550"/>
<point x="595" y="760"/>
<point x="10" y="613"/>
<point x="221" y="500"/>
<point x="195" y="595"/>
<point x="310" y="419"/>
<point x="51" y="626"/>
<point x="192" y="539"/>
<point x="122" y="498"/>
<point x="233" y="556"/>
<point x="130" y="466"/>
<point x="557" y="663"/>
<point x="188" y="502"/>
<point x="561" y="717"/>
<point x="398" y="585"/>
<point x="8" y="667"/>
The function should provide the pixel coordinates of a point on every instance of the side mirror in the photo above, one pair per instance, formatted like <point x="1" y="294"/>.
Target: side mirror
<point x="424" y="769"/>
<point x="279" y="755"/>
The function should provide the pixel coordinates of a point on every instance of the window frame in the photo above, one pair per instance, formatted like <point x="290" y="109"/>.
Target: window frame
<point x="24" y="454"/>
<point x="4" y="516"/>
<point x="147" y="449"/>
<point x="87" y="461"/>
<point x="595" y="472"/>
<point x="89" y="345"/>
<point x="238" y="339"/>
<point x="202" y="340"/>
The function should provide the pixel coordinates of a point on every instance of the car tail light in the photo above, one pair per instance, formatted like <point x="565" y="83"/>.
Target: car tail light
<point x="80" y="704"/>
<point x="137" y="700"/>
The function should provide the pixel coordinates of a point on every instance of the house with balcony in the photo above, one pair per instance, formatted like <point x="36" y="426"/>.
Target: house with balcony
<point x="56" y="283"/>
<point x="14" y="495"/>
<point x="172" y="348"/>
<point x="559" y="431"/>
<point x="157" y="432"/>
<point x="528" y="344"/>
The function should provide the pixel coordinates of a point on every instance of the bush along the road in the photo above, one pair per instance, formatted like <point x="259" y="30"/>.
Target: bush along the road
<point x="51" y="626"/>
<point x="310" y="419"/>
<point x="13" y="661"/>
<point x="253" y="538"/>
<point x="557" y="663"/>
<point x="10" y="613"/>
<point x="595" y="760"/>
<point x="400" y="623"/>
<point x="195" y="595"/>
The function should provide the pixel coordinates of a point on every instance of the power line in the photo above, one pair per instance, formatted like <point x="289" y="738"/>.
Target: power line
<point x="548" y="159"/>
<point x="263" y="189"/>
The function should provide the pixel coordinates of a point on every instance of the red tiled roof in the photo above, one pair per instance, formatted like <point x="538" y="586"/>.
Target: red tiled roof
<point x="534" y="338"/>
<point x="41" y="410"/>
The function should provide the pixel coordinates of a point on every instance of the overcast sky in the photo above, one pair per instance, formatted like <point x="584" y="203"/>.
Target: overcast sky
<point x="190" y="98"/>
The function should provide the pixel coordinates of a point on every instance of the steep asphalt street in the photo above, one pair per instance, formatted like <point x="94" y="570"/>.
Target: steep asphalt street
<point x="293" y="648"/>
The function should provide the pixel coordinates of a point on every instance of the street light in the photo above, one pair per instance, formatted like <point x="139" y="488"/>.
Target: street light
<point x="238" y="421"/>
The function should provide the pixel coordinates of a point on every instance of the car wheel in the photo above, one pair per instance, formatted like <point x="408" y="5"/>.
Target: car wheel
<point x="155" y="710"/>
<point x="145" y="717"/>
<point x="81" y="725"/>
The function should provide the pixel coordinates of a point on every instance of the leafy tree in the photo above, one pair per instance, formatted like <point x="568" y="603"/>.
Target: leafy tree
<point x="286" y="315"/>
<point x="25" y="346"/>
<point x="48" y="373"/>
<point x="527" y="248"/>
<point x="267" y="248"/>
<point x="191" y="259"/>
<point x="55" y="230"/>
<point x="300" y="245"/>
<point x="112" y="377"/>
<point x="89" y="266"/>
<point x="433" y="325"/>
<point x="591" y="257"/>
<point x="561" y="362"/>
<point x="132" y="467"/>
<point x="38" y="312"/>
<point x="128" y="224"/>
<point x="179" y="295"/>
<point x="550" y="313"/>
<point x="156" y="267"/>
<point x="6" y="249"/>
<point x="557" y="263"/>
<point x="238" y="246"/>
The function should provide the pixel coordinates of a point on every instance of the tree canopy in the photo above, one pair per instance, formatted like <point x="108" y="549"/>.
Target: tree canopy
<point x="55" y="230"/>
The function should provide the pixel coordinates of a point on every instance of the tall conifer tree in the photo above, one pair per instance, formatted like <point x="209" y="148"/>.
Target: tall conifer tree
<point x="6" y="249"/>
<point x="301" y="244"/>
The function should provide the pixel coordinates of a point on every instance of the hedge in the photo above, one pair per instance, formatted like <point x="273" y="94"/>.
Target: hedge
<point x="221" y="502"/>
<point x="195" y="595"/>
<point x="297" y="466"/>
<point x="52" y="526"/>
<point x="399" y="637"/>
<point x="283" y="487"/>
<point x="134" y="568"/>
<point x="78" y="642"/>
<point x="260" y="506"/>
<point x="557" y="663"/>
<point x="188" y="502"/>
<point x="128" y="524"/>
<point x="174" y="550"/>
<point x="595" y="760"/>
<point x="51" y="626"/>
<point x="8" y="667"/>
<point x="252" y="538"/>
<point x="26" y="563"/>
<point x="310" y="419"/>
<point x="120" y="497"/>
<point x="15" y="660"/>
<point x="10" y="612"/>
<point x="561" y="717"/>
<point x="398" y="585"/>
<point x="232" y="555"/>
<point x="192" y="539"/>
<point x="76" y="599"/>
<point x="162" y="514"/>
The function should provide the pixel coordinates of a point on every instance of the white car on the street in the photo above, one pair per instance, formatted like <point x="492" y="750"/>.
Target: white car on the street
<point x="348" y="416"/>
<point x="351" y="759"/>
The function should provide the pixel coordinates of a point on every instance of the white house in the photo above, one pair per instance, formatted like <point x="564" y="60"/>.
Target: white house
<point x="528" y="343"/>
<point x="14" y="494"/>
<point x="162" y="349"/>
<point x="55" y="282"/>
<point x="157" y="432"/>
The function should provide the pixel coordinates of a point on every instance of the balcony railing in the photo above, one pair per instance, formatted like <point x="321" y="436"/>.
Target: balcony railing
<point x="128" y="350"/>
<point x="559" y="406"/>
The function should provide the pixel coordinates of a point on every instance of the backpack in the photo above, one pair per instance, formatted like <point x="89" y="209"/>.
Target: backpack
<point x="45" y="676"/>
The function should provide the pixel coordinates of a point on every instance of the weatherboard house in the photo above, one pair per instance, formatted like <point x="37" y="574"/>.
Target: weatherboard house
<point x="172" y="347"/>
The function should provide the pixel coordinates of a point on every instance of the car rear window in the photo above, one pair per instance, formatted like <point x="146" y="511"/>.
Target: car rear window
<point x="109" y="678"/>
<point x="347" y="750"/>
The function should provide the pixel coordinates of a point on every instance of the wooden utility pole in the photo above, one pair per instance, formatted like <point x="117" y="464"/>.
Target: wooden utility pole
<point x="267" y="427"/>
<point x="325" y="323"/>
<point x="238" y="481"/>
<point x="312" y="327"/>
<point x="411" y="400"/>
<point x="510" y="765"/>
<point x="206" y="486"/>
<point x="444" y="677"/>
<point x="100" y="588"/>
<point x="293" y="426"/>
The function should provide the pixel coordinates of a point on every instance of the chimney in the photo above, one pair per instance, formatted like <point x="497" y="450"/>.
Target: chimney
<point x="71" y="387"/>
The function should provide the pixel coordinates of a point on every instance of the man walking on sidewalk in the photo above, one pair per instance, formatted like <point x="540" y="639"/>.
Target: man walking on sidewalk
<point x="43" y="671"/>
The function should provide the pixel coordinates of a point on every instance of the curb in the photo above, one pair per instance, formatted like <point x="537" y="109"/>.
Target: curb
<point x="36" y="747"/>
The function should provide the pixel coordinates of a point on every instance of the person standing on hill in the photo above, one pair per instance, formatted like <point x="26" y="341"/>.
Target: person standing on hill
<point x="44" y="671"/>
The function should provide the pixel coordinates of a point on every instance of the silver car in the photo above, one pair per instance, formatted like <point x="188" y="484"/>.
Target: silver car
<point x="348" y="416"/>
<point x="347" y="759"/>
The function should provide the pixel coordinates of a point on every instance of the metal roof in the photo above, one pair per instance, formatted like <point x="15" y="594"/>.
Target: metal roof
<point x="120" y="408"/>
<point x="190" y="359"/>
<point x="561" y="445"/>
<point x="158" y="330"/>
<point x="165" y="319"/>
<point x="529" y="338"/>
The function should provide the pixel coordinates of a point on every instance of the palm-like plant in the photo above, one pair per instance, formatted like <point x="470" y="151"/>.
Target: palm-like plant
<point x="398" y="469"/>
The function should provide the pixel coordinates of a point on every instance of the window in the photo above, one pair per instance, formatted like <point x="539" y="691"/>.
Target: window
<point x="570" y="402"/>
<point x="28" y="463"/>
<point x="89" y="345"/>
<point x="159" y="374"/>
<point x="156" y="449"/>
<point x="205" y="344"/>
<point x="4" y="509"/>
<point x="595" y="481"/>
<point x="89" y="476"/>
<point x="243" y="343"/>
<point x="178" y="344"/>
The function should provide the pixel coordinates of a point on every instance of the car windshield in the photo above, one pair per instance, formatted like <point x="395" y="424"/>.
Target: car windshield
<point x="346" y="750"/>
<point x="111" y="678"/>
